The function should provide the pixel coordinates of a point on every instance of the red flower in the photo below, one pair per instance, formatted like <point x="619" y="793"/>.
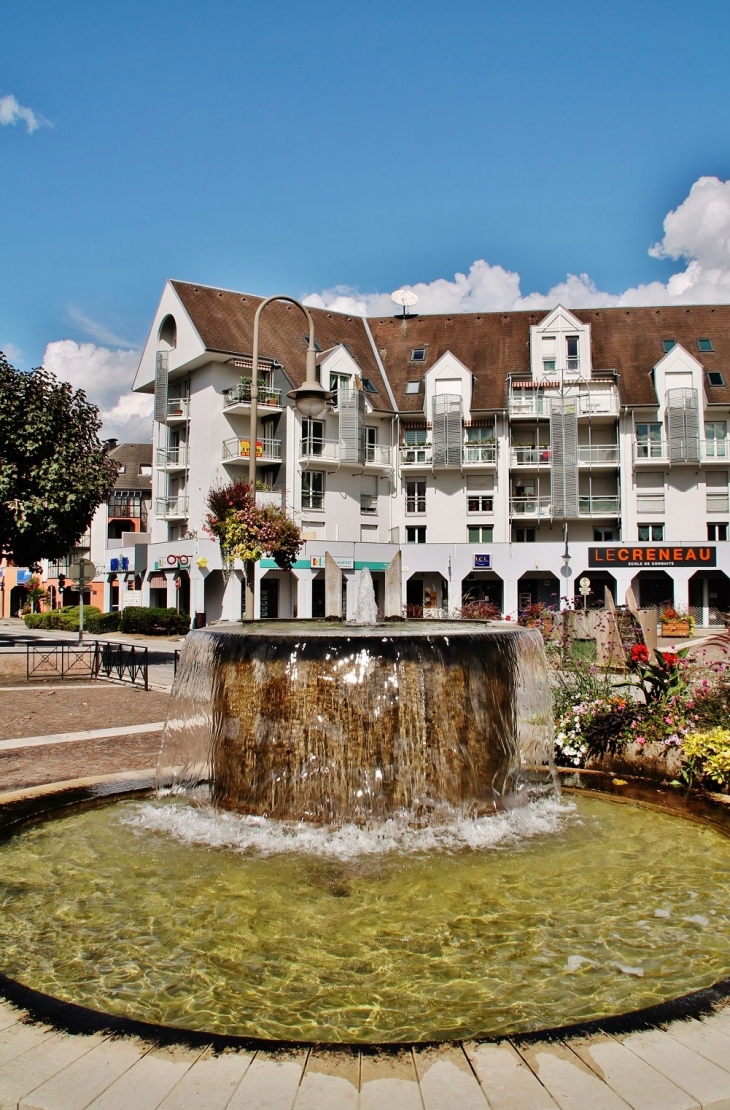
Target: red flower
<point x="640" y="654"/>
<point x="669" y="659"/>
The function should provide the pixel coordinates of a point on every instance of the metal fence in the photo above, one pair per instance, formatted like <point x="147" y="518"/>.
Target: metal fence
<point x="121" y="662"/>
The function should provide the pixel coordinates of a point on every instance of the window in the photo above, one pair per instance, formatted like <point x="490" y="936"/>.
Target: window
<point x="705" y="345"/>
<point x="415" y="437"/>
<point x="305" y="341"/>
<point x="416" y="496"/>
<point x="340" y="381"/>
<point x="602" y="535"/>
<point x="145" y="469"/>
<point x="667" y="345"/>
<point x="313" y="489"/>
<point x="413" y="387"/>
<point x="481" y="533"/>
<point x="416" y="535"/>
<point x="368" y="386"/>
<point x="418" y="354"/>
<point x="122" y="470"/>
<point x="717" y="531"/>
<point x="312" y="436"/>
<point x="648" y="441"/>
<point x="524" y="535"/>
<point x="716" y="485"/>
<point x="715" y="378"/>
<point x="368" y="495"/>
<point x="480" y="435"/>
<point x="571" y="344"/>
<point x="479" y="503"/>
<point x="648" y="532"/>
<point x="716" y="439"/>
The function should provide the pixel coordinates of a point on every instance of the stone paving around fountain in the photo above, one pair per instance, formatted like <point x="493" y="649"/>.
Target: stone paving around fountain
<point x="682" y="1066"/>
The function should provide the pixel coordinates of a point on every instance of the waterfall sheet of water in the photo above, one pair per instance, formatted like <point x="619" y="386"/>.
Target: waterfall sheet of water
<point x="332" y="725"/>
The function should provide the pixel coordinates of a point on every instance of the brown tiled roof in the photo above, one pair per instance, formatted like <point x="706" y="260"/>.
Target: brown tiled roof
<point x="495" y="344"/>
<point x="224" y="321"/>
<point x="131" y="456"/>
<point x="490" y="344"/>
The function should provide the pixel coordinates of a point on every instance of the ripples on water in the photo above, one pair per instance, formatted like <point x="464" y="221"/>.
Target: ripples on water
<point x="551" y="914"/>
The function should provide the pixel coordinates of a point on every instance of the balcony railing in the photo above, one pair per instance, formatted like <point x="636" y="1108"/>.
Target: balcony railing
<point x="715" y="449"/>
<point x="172" y="508"/>
<point x="479" y="454"/>
<point x="267" y="450"/>
<point x="241" y="395"/>
<point x="599" y="506"/>
<point x="368" y="504"/>
<point x="178" y="409"/>
<point x="651" y="450"/>
<point x="528" y="402"/>
<point x="375" y="455"/>
<point x="319" y="450"/>
<point x="596" y="454"/>
<point x="530" y="456"/>
<point x="172" y="458"/>
<point x="531" y="506"/>
<point x="419" y="455"/>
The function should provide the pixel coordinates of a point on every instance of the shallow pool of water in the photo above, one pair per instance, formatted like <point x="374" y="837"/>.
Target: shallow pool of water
<point x="165" y="911"/>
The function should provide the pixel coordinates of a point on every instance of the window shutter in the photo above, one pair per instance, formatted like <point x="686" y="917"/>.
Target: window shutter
<point x="161" y="369"/>
<point x="684" y="425"/>
<point x="447" y="430"/>
<point x="351" y="404"/>
<point x="564" y="451"/>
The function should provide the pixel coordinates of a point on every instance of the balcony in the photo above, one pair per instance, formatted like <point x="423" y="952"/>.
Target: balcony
<point x="327" y="454"/>
<point x="178" y="410"/>
<point x="650" y="451"/>
<point x="598" y="455"/>
<point x="478" y="455"/>
<point x="535" y="507"/>
<point x="599" y="506"/>
<point x="531" y="456"/>
<point x="238" y="400"/>
<point x="377" y="457"/>
<point x="588" y="402"/>
<point x="172" y="458"/>
<point x="172" y="508"/>
<point x="715" y="451"/>
<point x="239" y="451"/>
<point x="419" y="457"/>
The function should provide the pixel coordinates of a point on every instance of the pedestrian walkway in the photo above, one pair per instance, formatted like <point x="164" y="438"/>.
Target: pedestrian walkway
<point x="683" y="1067"/>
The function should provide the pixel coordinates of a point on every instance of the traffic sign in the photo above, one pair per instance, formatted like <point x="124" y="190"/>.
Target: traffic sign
<point x="83" y="570"/>
<point x="585" y="585"/>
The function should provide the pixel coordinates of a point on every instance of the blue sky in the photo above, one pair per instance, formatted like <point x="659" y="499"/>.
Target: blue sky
<point x="298" y="148"/>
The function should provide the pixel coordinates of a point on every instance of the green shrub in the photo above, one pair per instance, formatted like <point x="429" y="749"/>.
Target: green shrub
<point x="98" y="623"/>
<point x="65" y="620"/>
<point x="707" y="755"/>
<point x="154" y="622"/>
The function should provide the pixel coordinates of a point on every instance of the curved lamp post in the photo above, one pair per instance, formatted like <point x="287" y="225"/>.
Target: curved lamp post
<point x="310" y="400"/>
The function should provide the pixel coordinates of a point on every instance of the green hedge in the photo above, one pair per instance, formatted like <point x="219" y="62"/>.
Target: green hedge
<point x="154" y="622"/>
<point x="98" y="623"/>
<point x="65" y="620"/>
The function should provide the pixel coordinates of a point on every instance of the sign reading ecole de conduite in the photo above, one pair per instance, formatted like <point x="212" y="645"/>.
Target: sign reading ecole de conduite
<point x="656" y="556"/>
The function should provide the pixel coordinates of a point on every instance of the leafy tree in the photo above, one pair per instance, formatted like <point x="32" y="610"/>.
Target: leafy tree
<point x="54" y="470"/>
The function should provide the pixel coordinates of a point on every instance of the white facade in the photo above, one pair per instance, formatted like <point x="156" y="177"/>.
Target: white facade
<point x="564" y="455"/>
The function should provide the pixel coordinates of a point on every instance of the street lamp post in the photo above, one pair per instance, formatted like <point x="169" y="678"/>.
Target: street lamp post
<point x="310" y="400"/>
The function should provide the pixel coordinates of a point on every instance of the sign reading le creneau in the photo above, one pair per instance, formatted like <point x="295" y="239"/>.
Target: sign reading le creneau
<point x="657" y="556"/>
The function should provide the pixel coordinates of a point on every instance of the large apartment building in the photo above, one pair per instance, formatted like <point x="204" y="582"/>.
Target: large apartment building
<point x="507" y="455"/>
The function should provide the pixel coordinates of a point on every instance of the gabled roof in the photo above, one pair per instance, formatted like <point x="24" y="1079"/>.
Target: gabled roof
<point x="131" y="456"/>
<point x="224" y="321"/>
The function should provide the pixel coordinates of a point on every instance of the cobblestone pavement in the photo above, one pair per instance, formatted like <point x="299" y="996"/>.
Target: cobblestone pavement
<point x="78" y="760"/>
<point x="39" y="710"/>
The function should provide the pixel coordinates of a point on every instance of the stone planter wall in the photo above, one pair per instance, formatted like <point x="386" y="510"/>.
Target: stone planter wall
<point x="648" y="761"/>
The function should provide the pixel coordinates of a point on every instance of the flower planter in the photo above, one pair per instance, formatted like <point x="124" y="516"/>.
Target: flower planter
<point x="676" y="628"/>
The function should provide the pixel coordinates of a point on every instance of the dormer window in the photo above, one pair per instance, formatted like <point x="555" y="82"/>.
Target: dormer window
<point x="145" y="469"/>
<point x="418" y="354"/>
<point x="368" y="386"/>
<point x="340" y="381"/>
<point x="667" y="345"/>
<point x="413" y="387"/>
<point x="705" y="345"/>
<point x="305" y="341"/>
<point x="571" y="346"/>
<point x="715" y="378"/>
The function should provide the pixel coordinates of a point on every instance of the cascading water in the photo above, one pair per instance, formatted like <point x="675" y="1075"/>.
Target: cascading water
<point x="336" y="724"/>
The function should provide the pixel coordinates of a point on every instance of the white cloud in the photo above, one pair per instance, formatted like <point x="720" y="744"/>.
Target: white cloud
<point x="97" y="331"/>
<point x="11" y="352"/>
<point x="106" y="376"/>
<point x="11" y="112"/>
<point x="697" y="231"/>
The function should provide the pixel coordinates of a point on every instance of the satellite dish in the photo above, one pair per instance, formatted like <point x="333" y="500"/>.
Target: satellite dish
<point x="404" y="297"/>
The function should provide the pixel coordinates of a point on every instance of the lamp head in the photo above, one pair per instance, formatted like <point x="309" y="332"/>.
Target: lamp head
<point x="310" y="399"/>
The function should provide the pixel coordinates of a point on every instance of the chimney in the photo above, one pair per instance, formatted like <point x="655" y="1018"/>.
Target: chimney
<point x="110" y="444"/>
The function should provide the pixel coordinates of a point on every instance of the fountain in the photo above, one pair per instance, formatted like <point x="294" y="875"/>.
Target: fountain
<point x="357" y="837"/>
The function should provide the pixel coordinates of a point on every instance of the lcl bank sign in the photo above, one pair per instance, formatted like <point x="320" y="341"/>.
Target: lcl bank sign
<point x="652" y="556"/>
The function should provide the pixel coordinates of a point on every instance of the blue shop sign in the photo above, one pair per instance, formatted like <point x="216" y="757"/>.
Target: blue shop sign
<point x="483" y="561"/>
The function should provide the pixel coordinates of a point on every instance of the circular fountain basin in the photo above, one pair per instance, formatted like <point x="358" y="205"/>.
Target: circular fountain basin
<point x="167" y="911"/>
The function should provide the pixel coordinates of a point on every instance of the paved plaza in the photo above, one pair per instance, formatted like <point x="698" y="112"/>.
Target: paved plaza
<point x="51" y="734"/>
